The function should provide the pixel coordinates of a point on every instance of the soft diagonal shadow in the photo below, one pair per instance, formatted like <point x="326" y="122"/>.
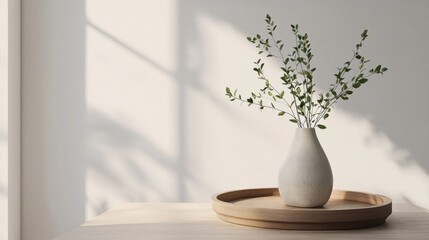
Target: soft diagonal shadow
<point x="130" y="49"/>
<point x="112" y="134"/>
<point x="183" y="75"/>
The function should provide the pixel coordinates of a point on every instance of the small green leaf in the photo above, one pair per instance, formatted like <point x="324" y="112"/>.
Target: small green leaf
<point x="321" y="126"/>
<point x="377" y="69"/>
<point x="356" y="85"/>
<point x="281" y="113"/>
<point x="228" y="91"/>
<point x="364" y="34"/>
<point x="250" y="100"/>
<point x="293" y="120"/>
<point x="286" y="60"/>
<point x="363" y="80"/>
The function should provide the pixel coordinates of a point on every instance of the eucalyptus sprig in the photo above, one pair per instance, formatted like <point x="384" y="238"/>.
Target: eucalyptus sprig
<point x="297" y="77"/>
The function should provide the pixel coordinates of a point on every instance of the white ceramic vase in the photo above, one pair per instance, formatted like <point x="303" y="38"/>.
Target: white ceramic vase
<point x="305" y="179"/>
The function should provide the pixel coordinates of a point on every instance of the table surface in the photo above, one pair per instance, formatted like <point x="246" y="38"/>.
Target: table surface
<point x="136" y="221"/>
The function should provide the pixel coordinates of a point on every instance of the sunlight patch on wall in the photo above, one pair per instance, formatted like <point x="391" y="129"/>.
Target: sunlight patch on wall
<point x="365" y="159"/>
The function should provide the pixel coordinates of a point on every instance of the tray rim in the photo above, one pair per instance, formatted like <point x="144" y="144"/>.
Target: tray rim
<point x="295" y="218"/>
<point x="386" y="201"/>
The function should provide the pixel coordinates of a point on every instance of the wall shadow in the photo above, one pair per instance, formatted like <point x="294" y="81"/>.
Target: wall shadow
<point x="109" y="133"/>
<point x="117" y="172"/>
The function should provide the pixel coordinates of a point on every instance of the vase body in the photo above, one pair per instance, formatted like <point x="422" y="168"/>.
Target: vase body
<point x="305" y="179"/>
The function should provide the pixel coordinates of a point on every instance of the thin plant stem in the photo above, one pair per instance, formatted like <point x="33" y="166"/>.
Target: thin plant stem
<point x="285" y="65"/>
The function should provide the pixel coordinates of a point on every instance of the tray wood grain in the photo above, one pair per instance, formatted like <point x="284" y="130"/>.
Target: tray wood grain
<point x="264" y="208"/>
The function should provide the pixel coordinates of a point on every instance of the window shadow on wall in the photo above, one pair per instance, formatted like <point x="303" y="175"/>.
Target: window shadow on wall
<point x="107" y="133"/>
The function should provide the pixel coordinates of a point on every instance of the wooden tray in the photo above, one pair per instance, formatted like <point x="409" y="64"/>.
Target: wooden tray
<point x="264" y="208"/>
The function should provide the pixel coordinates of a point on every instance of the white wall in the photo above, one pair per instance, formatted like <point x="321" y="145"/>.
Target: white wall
<point x="124" y="101"/>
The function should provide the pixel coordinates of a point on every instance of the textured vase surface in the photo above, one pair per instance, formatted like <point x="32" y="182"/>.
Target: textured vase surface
<point x="305" y="179"/>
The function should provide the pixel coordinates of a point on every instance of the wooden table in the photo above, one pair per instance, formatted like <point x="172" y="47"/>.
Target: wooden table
<point x="137" y="221"/>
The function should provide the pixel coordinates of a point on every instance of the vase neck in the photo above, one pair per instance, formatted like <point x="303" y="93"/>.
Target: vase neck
<point x="305" y="133"/>
<point x="309" y="131"/>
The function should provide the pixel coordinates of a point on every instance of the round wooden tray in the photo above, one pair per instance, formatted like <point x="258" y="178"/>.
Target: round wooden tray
<point x="264" y="208"/>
